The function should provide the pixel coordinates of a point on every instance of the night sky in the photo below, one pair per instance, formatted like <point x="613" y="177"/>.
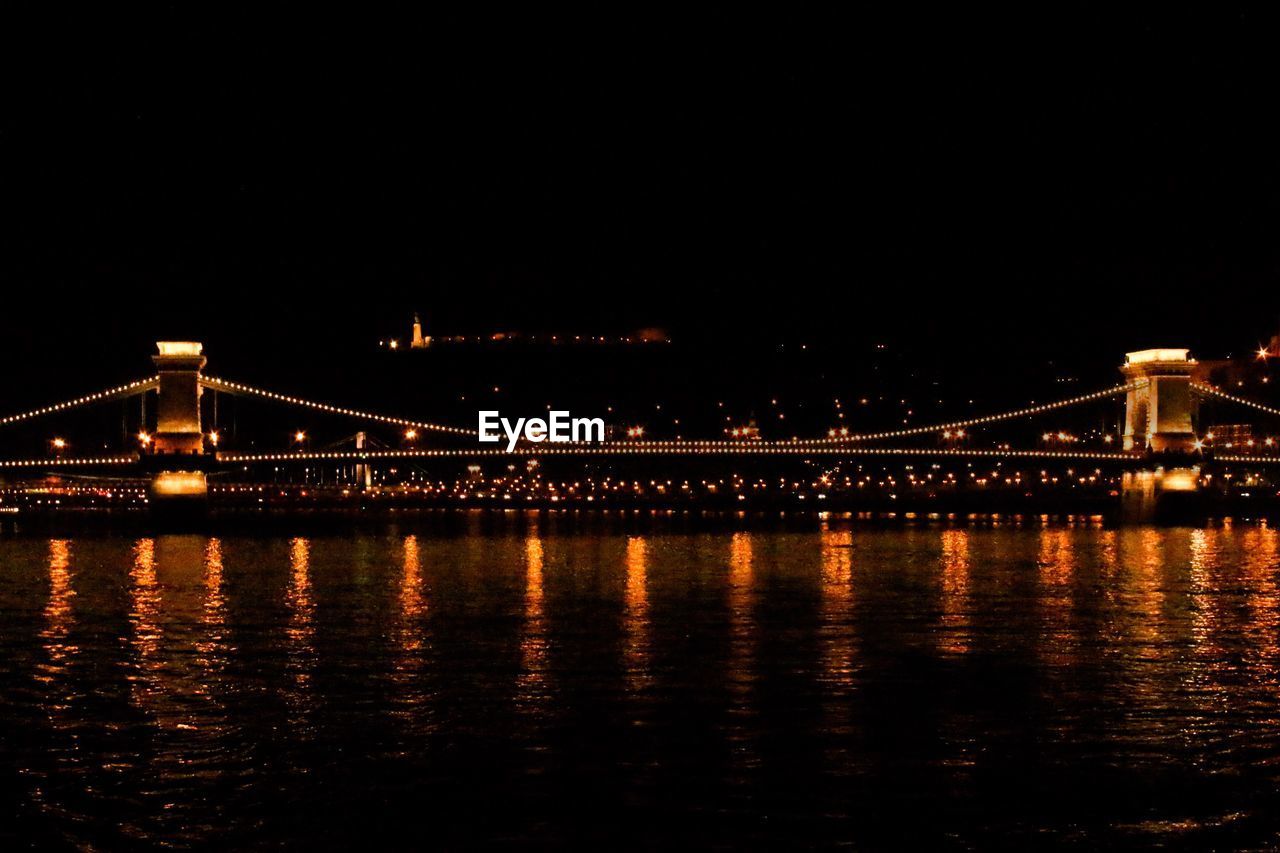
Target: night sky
<point x="990" y="184"/>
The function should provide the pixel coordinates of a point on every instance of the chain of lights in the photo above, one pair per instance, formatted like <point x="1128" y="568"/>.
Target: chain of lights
<point x="1263" y="460"/>
<point x="663" y="446"/>
<point x="986" y="419"/>
<point x="239" y="388"/>
<point x="1216" y="392"/>
<point x="67" y="462"/>
<point x="142" y="385"/>
<point x="676" y="450"/>
<point x="899" y="433"/>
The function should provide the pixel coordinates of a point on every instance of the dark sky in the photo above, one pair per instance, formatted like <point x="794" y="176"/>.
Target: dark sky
<point x="999" y="182"/>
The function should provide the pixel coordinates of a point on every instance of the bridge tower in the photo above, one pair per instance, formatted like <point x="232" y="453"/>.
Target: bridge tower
<point x="1158" y="413"/>
<point x="364" y="474"/>
<point x="1158" y="416"/>
<point x="181" y="485"/>
<point x="178" y="410"/>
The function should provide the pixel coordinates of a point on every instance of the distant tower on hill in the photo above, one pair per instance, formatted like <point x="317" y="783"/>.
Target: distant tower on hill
<point x="420" y="341"/>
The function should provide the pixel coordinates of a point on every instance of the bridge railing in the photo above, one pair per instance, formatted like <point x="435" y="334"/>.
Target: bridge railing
<point x="752" y="449"/>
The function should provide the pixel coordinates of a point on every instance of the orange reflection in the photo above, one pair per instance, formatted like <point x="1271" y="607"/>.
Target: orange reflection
<point x="838" y="648"/>
<point x="212" y="647"/>
<point x="410" y="697"/>
<point x="300" y="630"/>
<point x="956" y="603"/>
<point x="299" y="594"/>
<point x="1146" y="589"/>
<point x="1210" y="616"/>
<point x="52" y="672"/>
<point x="1057" y="557"/>
<point x="413" y="604"/>
<point x="741" y="617"/>
<point x="57" y="612"/>
<point x="636" y="624"/>
<point x="1141" y="638"/>
<point x="741" y="662"/>
<point x="740" y="571"/>
<point x="144" y="617"/>
<point x="1108" y="564"/>
<point x="1057" y="565"/>
<point x="1259" y="566"/>
<point x="144" y="599"/>
<point x="531" y="684"/>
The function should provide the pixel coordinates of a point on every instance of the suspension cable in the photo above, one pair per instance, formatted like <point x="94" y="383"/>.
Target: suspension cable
<point x="988" y="419"/>
<point x="65" y="462"/>
<point x="128" y="390"/>
<point x="240" y="388"/>
<point x="1217" y="392"/>
<point x="872" y="436"/>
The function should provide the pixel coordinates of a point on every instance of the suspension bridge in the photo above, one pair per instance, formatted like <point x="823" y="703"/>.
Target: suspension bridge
<point x="1159" y="448"/>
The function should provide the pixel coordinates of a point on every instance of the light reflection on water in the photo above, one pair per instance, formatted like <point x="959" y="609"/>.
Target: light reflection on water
<point x="637" y="614"/>
<point x="931" y="685"/>
<point x="213" y="643"/>
<point x="144" y="616"/>
<point x="57" y="613"/>
<point x="740" y="670"/>
<point x="300" y="631"/>
<point x="532" y="683"/>
<point x="956" y="602"/>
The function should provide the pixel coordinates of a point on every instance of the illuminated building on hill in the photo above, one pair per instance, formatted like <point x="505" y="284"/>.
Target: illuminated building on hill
<point x="419" y="340"/>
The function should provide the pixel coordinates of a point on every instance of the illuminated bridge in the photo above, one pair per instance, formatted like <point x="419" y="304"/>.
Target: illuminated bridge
<point x="1159" y="447"/>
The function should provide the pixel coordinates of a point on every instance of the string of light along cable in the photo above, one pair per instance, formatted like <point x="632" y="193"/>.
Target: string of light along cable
<point x="68" y="462"/>
<point x="985" y="419"/>
<point x="905" y="432"/>
<point x="240" y="388"/>
<point x="126" y="390"/>
<point x="1218" y="392"/>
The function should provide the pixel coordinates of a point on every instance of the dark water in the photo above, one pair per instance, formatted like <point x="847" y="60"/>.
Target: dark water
<point x="935" y="686"/>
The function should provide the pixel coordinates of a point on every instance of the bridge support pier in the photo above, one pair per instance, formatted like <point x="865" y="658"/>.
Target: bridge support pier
<point x="179" y="487"/>
<point x="1157" y="494"/>
<point x="364" y="473"/>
